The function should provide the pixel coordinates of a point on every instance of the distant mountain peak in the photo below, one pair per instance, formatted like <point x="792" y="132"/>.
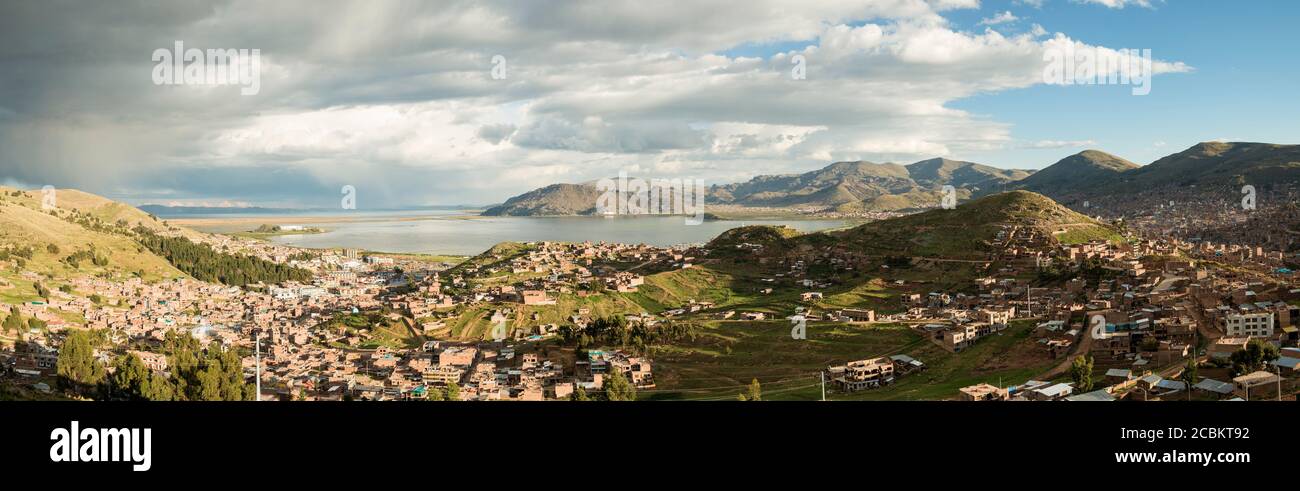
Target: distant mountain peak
<point x="1098" y="158"/>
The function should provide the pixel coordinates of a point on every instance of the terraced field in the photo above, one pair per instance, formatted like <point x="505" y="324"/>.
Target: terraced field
<point x="728" y="355"/>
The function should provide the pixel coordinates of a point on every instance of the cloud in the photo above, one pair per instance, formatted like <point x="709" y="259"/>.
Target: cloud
<point x="1053" y="144"/>
<point x="1114" y="4"/>
<point x="496" y="133"/>
<point x="398" y="98"/>
<point x="1000" y="18"/>
<point x="1119" y="4"/>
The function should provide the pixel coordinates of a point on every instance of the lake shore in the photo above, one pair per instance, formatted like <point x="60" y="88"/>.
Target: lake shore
<point x="236" y="223"/>
<point x="460" y="233"/>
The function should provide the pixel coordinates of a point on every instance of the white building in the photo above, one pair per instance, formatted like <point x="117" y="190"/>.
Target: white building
<point x="1258" y="324"/>
<point x="379" y="261"/>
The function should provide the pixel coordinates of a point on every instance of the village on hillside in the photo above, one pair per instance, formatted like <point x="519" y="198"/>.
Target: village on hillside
<point x="1155" y="318"/>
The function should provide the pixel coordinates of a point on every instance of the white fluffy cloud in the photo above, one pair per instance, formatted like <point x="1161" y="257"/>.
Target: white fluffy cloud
<point x="397" y="98"/>
<point x="1005" y="17"/>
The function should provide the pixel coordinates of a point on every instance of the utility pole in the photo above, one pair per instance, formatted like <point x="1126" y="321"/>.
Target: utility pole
<point x="257" y="356"/>
<point x="823" y="375"/>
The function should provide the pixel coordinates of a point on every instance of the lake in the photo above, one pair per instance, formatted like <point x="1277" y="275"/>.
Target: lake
<point x="452" y="232"/>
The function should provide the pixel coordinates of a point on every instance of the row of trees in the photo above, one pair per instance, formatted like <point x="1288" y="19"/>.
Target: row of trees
<point x="25" y="252"/>
<point x="195" y="373"/>
<point x="75" y="259"/>
<point x="206" y="264"/>
<point x="617" y="331"/>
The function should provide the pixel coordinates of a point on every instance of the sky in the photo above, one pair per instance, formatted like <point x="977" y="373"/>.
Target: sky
<point x="451" y="102"/>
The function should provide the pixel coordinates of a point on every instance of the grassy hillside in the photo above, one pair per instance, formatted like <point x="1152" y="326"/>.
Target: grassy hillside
<point x="968" y="230"/>
<point x="1207" y="167"/>
<point x="74" y="203"/>
<point x="1077" y="174"/>
<point x="1219" y="164"/>
<point x="21" y="225"/>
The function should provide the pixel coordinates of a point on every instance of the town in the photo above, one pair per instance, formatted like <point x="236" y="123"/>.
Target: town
<point x="1156" y="318"/>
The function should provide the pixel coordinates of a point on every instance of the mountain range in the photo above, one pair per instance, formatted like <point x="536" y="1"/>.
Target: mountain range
<point x="866" y="186"/>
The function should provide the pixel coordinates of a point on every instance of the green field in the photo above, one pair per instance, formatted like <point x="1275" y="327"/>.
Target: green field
<point x="728" y="355"/>
<point x="1088" y="233"/>
<point x="1011" y="357"/>
<point x="473" y="323"/>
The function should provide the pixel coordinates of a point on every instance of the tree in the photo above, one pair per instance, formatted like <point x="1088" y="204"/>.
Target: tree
<point x="453" y="391"/>
<point x="14" y="322"/>
<point x="130" y="379"/>
<point x="1189" y="376"/>
<point x="1081" y="372"/>
<point x="209" y="386"/>
<point x="233" y="387"/>
<point x="1255" y="356"/>
<point x="77" y="365"/>
<point x="1150" y="344"/>
<point x="434" y="394"/>
<point x="204" y="263"/>
<point x="617" y="388"/>
<point x="160" y="389"/>
<point x="1189" y="372"/>
<point x="204" y="375"/>
<point x="579" y="394"/>
<point x="755" y="392"/>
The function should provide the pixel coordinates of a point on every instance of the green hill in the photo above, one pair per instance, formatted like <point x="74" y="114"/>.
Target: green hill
<point x="965" y="232"/>
<point x="770" y="237"/>
<point x="1077" y="174"/>
<point x="971" y="229"/>
<point x="23" y="224"/>
<point x="1218" y="163"/>
<point x="1208" y="167"/>
<point x="85" y="234"/>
